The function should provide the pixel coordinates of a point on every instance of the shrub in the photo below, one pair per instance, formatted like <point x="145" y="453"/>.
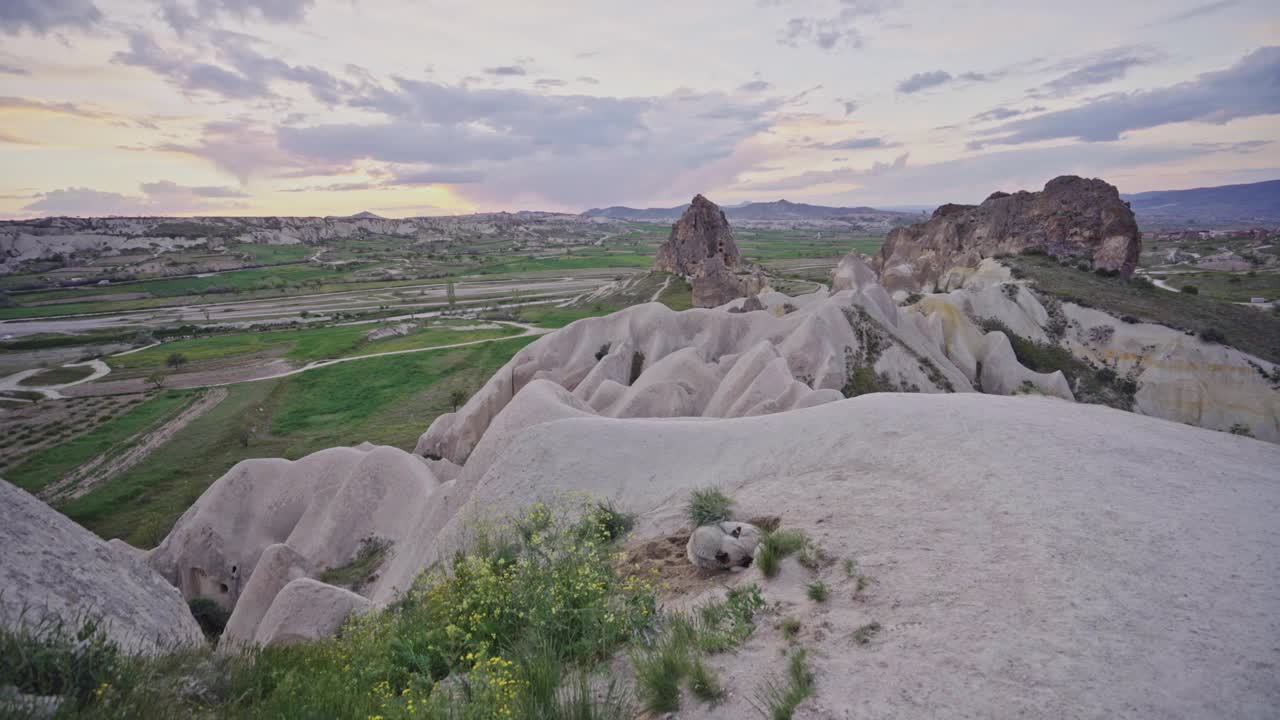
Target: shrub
<point x="363" y="567"/>
<point x="818" y="591"/>
<point x="722" y="626"/>
<point x="863" y="635"/>
<point x="606" y="523"/>
<point x="176" y="360"/>
<point x="790" y="628"/>
<point x="52" y="657"/>
<point x="637" y="366"/>
<point x="1213" y="335"/>
<point x="704" y="683"/>
<point x="777" y="545"/>
<point x="659" y="672"/>
<point x="1191" y="289"/>
<point x="778" y="701"/>
<point x="604" y="350"/>
<point x="211" y="616"/>
<point x="1241" y="429"/>
<point x="706" y="506"/>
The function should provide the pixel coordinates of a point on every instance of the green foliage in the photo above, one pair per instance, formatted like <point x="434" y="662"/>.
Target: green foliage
<point x="706" y="506"/>
<point x="863" y="635"/>
<point x="457" y="397"/>
<point x="57" y="376"/>
<point x="779" y="700"/>
<point x="363" y="567"/>
<point x="790" y="628"/>
<point x="660" y="669"/>
<point x="704" y="683"/>
<point x="722" y="626"/>
<point x="1190" y="289"/>
<point x="818" y="591"/>
<point x="777" y="545"/>
<point x="52" y="657"/>
<point x="1090" y="385"/>
<point x="175" y="360"/>
<point x="637" y="367"/>
<point x="1213" y="335"/>
<point x="1241" y="429"/>
<point x="211" y="616"/>
<point x="606" y="523"/>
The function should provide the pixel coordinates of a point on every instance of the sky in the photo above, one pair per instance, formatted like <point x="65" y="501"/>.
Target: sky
<point x="435" y="107"/>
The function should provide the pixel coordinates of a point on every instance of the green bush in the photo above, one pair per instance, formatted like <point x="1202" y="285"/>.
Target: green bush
<point x="74" y="659"/>
<point x="1191" y="289"/>
<point x="777" y="545"/>
<point x="706" y="506"/>
<point x="778" y="701"/>
<point x="211" y="616"/>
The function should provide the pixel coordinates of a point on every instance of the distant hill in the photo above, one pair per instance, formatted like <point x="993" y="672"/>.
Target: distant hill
<point x="781" y="211"/>
<point x="1226" y="205"/>
<point x="366" y="215"/>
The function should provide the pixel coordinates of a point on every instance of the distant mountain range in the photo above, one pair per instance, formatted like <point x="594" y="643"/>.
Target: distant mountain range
<point x="776" y="211"/>
<point x="1223" y="206"/>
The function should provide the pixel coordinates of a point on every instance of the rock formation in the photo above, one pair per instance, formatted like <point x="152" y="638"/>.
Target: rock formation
<point x="52" y="566"/>
<point x="701" y="249"/>
<point x="1072" y="217"/>
<point x="983" y="539"/>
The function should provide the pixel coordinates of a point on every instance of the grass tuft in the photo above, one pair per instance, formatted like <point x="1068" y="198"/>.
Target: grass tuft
<point x="818" y="591"/>
<point x="708" y="505"/>
<point x="777" y="545"/>
<point x="778" y="701"/>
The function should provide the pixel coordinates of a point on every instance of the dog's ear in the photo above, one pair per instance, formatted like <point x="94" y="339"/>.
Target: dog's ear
<point x="737" y="531"/>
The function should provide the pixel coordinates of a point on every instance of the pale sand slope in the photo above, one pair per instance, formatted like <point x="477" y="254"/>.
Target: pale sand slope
<point x="1030" y="555"/>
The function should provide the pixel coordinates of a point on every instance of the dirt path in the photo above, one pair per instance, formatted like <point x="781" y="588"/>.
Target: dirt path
<point x="104" y="467"/>
<point x="665" y="284"/>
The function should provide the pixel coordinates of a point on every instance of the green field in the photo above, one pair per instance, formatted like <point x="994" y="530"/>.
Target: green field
<point x="49" y="465"/>
<point x="388" y="400"/>
<point x="300" y="345"/>
<point x="1252" y="330"/>
<point x="57" y="376"/>
<point x="1229" y="286"/>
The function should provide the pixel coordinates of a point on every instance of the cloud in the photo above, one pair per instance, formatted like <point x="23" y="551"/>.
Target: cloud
<point x="924" y="80"/>
<point x="1197" y="11"/>
<point x="57" y="108"/>
<point x="1096" y="70"/>
<point x="850" y="107"/>
<point x="1004" y="113"/>
<point x="1243" y="147"/>
<point x="11" y="139"/>
<point x="832" y="31"/>
<point x="184" y="16"/>
<point x="814" y="178"/>
<point x="505" y="70"/>
<point x="43" y="16"/>
<point x="13" y="70"/>
<point x="1246" y="89"/>
<point x="169" y="188"/>
<point x="862" y="143"/>
<point x="240" y="147"/>
<point x="247" y="74"/>
<point x="754" y="86"/>
<point x="588" y="80"/>
<point x="335" y="187"/>
<point x="549" y="82"/>
<point x="158" y="198"/>
<point x="438" y="177"/>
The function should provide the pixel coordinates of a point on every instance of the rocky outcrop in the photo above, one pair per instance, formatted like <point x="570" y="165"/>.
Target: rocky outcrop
<point x="716" y="363"/>
<point x="1072" y="217"/>
<point x="51" y="566"/>
<point x="702" y="250"/>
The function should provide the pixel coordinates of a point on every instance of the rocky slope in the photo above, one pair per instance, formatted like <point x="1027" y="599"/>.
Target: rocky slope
<point x="992" y="551"/>
<point x="23" y="241"/>
<point x="1071" y="218"/>
<point x="701" y="249"/>
<point x="53" y="567"/>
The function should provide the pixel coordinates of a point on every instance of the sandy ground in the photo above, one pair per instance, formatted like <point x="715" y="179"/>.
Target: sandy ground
<point x="1025" y="556"/>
